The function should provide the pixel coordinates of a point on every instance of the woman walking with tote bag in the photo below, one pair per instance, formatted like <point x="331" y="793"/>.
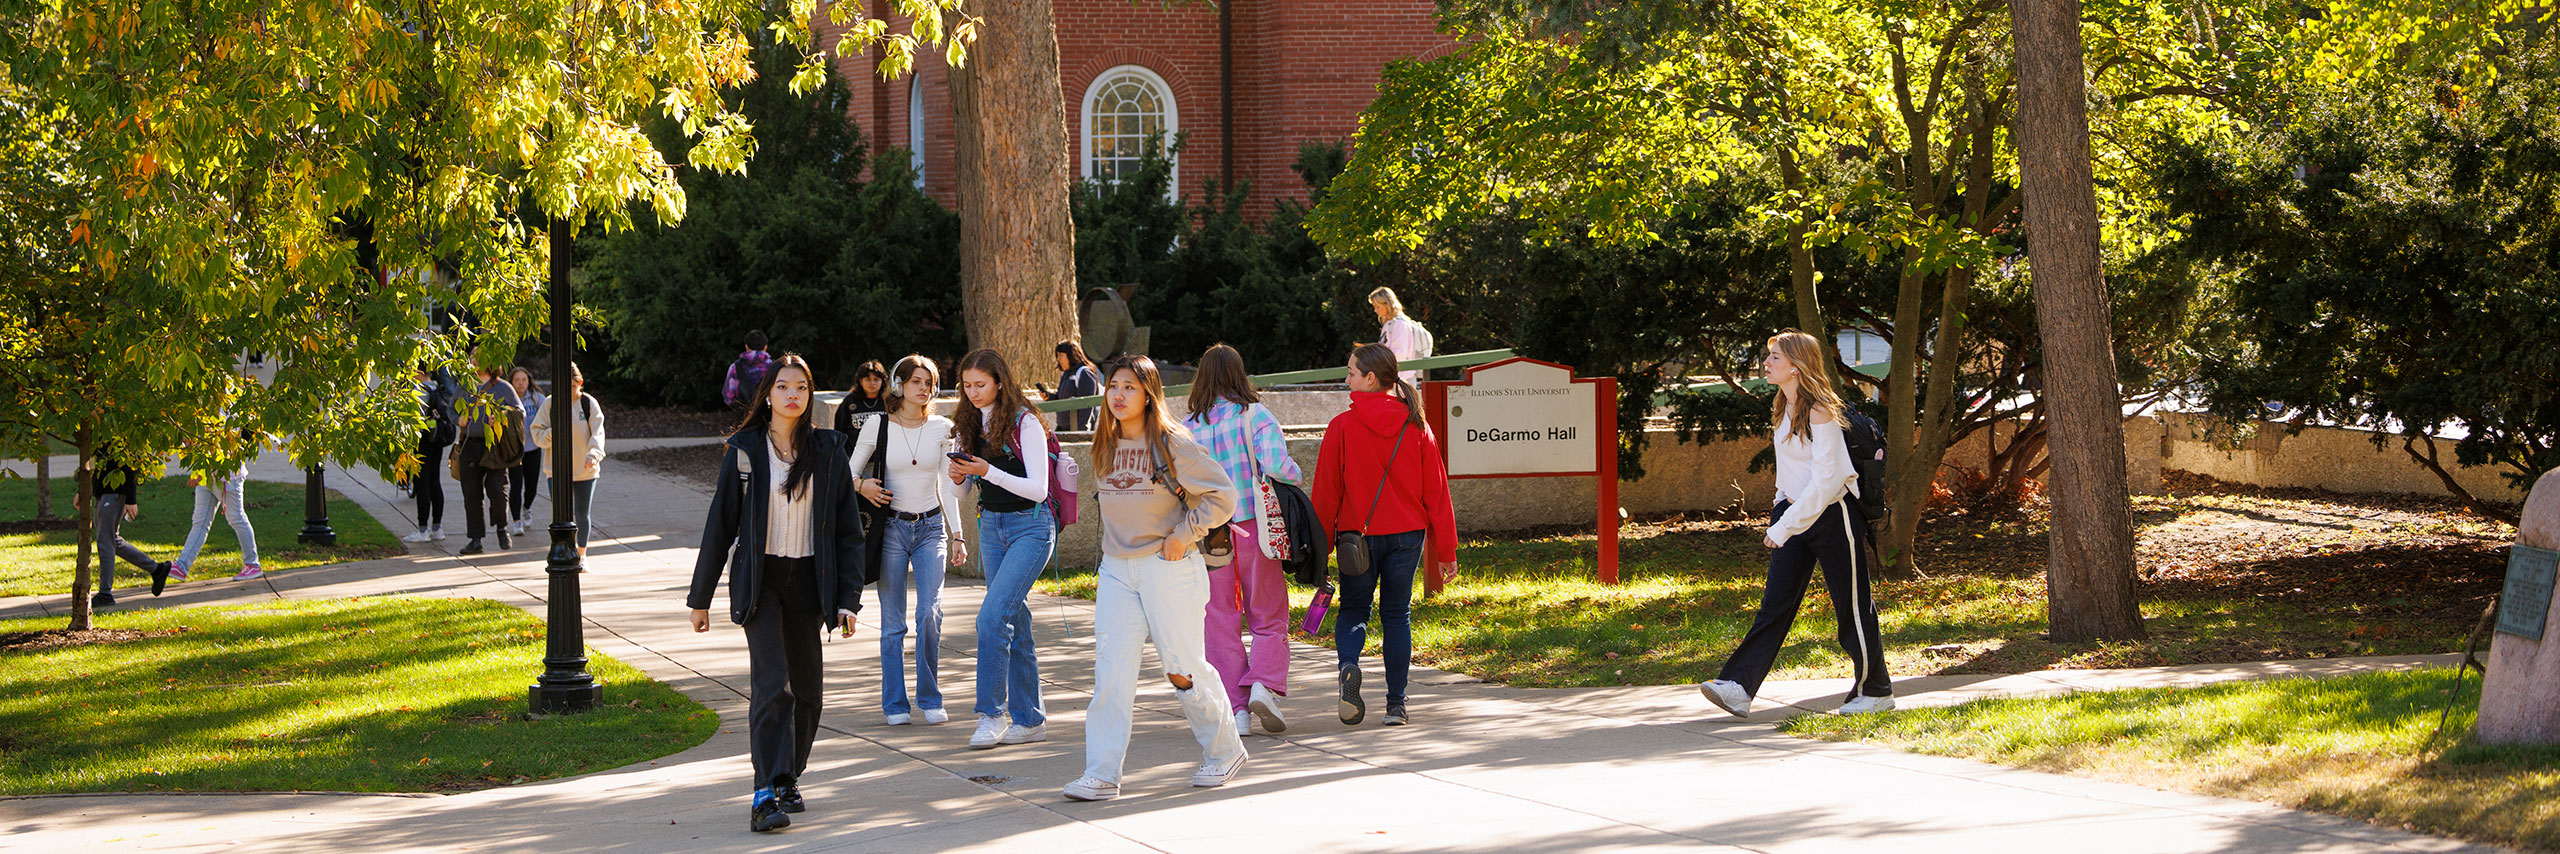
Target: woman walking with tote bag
<point x="1379" y="475"/>
<point x="785" y="523"/>
<point x="1161" y="493"/>
<point x="1245" y="439"/>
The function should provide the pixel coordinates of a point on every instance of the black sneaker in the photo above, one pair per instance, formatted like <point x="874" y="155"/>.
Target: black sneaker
<point x="790" y="799"/>
<point x="767" y="813"/>
<point x="1353" y="711"/>
<point x="471" y="548"/>
<point x="504" y="543"/>
<point x="1395" y="715"/>
<point x="102" y="599"/>
<point x="160" y="577"/>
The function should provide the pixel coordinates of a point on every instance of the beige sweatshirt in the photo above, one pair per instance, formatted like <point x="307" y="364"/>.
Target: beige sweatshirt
<point x="1139" y="513"/>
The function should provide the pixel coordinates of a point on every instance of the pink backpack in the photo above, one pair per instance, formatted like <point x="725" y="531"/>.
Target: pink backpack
<point x="1063" y="472"/>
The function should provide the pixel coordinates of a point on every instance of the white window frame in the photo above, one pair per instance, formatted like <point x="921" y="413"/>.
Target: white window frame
<point x="915" y="126"/>
<point x="1172" y="119"/>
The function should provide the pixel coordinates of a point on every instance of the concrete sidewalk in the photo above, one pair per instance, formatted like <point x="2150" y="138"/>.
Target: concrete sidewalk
<point x="1484" y="768"/>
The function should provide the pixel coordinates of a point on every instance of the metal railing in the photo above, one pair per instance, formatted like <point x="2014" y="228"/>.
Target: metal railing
<point x="1318" y="375"/>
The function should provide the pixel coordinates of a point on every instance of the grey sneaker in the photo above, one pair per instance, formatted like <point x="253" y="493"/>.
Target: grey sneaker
<point x="1353" y="711"/>
<point x="1396" y="715"/>
<point x="1728" y="696"/>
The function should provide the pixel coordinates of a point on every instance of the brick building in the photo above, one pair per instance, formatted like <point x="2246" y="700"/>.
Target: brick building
<point x="1302" y="72"/>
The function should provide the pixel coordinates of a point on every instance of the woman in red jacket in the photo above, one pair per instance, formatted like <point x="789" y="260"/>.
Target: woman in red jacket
<point x="1379" y="473"/>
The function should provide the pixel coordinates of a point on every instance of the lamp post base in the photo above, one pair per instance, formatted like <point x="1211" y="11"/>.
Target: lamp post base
<point x="564" y="699"/>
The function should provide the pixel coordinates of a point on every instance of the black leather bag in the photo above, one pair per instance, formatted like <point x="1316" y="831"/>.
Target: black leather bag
<point x="1351" y="548"/>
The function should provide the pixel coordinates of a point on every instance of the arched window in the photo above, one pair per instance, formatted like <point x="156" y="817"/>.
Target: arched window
<point x="915" y="126"/>
<point x="1124" y="109"/>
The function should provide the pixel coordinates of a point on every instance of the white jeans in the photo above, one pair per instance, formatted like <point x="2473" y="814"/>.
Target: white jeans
<point x="1139" y="598"/>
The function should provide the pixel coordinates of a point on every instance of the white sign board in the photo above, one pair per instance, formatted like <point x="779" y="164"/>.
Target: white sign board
<point x="1523" y="418"/>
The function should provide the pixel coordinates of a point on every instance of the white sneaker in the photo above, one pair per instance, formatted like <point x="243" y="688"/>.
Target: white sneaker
<point x="935" y="716"/>
<point x="1214" y="774"/>
<point x="1863" y="705"/>
<point x="1244" y="724"/>
<point x="418" y="536"/>
<point x="990" y="728"/>
<point x="435" y="534"/>
<point x="1265" y="706"/>
<point x="1727" y="696"/>
<point x="897" y="718"/>
<point x="1092" y="789"/>
<point x="1019" y="734"/>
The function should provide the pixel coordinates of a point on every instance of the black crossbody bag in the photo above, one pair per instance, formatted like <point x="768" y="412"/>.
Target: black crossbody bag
<point x="1351" y="548"/>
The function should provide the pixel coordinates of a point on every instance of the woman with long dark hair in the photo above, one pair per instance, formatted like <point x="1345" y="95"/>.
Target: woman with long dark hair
<point x="1250" y="592"/>
<point x="1002" y="444"/>
<point x="900" y="469"/>
<point x="1379" y="473"/>
<point x="1076" y="378"/>
<point x="785" y="523"/>
<point x="527" y="474"/>
<point x="1161" y="493"/>
<point x="1814" y="522"/>
<point x="870" y="393"/>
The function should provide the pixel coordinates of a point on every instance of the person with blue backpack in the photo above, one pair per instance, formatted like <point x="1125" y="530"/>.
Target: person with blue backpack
<point x="1000" y="442"/>
<point x="1818" y="519"/>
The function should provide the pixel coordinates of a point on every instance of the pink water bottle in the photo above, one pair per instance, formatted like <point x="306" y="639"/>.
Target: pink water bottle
<point x="1314" y="623"/>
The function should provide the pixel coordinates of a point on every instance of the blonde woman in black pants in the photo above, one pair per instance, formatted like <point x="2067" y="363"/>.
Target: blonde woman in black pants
<point x="1815" y="522"/>
<point x="784" y="521"/>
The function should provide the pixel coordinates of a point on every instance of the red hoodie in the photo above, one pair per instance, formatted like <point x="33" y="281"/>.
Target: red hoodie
<point x="1348" y="465"/>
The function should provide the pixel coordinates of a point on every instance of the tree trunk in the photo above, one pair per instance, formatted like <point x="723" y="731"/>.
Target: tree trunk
<point x="1017" y="242"/>
<point x="1800" y="276"/>
<point x="44" y="484"/>
<point x="2089" y="575"/>
<point x="84" y="506"/>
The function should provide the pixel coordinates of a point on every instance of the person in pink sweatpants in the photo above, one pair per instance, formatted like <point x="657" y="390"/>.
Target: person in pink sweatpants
<point x="1249" y="594"/>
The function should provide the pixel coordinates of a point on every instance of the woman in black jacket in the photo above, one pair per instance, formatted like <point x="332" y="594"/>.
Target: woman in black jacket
<point x="784" y="500"/>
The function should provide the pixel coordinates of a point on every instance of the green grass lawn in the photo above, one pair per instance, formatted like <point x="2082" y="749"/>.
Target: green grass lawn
<point x="1529" y="611"/>
<point x="37" y="560"/>
<point x="375" y="695"/>
<point x="2354" y="746"/>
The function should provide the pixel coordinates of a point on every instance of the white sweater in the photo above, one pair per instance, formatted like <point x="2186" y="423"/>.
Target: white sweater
<point x="919" y="473"/>
<point x="1812" y="472"/>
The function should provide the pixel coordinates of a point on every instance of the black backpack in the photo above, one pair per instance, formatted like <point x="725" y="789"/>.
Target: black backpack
<point x="439" y="412"/>
<point x="1866" y="453"/>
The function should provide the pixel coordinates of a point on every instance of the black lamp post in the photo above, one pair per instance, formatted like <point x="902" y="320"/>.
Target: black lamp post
<point x="315" y="510"/>
<point x="565" y="684"/>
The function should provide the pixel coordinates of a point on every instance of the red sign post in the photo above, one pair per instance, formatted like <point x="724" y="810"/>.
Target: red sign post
<point x="1521" y="417"/>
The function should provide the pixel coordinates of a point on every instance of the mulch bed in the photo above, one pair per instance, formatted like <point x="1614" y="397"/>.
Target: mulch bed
<point x="59" y="638"/>
<point x="646" y="422"/>
<point x="697" y="464"/>
<point x="37" y="526"/>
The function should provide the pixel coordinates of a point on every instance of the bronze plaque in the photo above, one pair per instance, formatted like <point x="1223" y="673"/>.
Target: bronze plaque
<point x="2526" y="603"/>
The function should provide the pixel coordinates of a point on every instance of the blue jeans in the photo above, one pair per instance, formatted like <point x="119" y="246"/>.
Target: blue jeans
<point x="227" y="491"/>
<point x="582" y="505"/>
<point x="910" y="550"/>
<point x="1012" y="548"/>
<point x="1392" y="560"/>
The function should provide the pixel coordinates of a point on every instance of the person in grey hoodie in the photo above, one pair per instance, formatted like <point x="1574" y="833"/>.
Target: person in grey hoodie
<point x="1161" y="493"/>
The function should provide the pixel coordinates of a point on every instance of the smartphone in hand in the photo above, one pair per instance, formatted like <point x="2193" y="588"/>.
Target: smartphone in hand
<point x="958" y="457"/>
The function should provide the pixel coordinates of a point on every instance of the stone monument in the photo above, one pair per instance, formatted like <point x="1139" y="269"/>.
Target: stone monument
<point x="2520" y="696"/>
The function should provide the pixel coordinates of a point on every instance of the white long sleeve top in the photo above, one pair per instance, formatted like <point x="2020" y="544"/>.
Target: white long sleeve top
<point x="1398" y="335"/>
<point x="1813" y="472"/>
<point x="1033" y="484"/>
<point x="919" y="475"/>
